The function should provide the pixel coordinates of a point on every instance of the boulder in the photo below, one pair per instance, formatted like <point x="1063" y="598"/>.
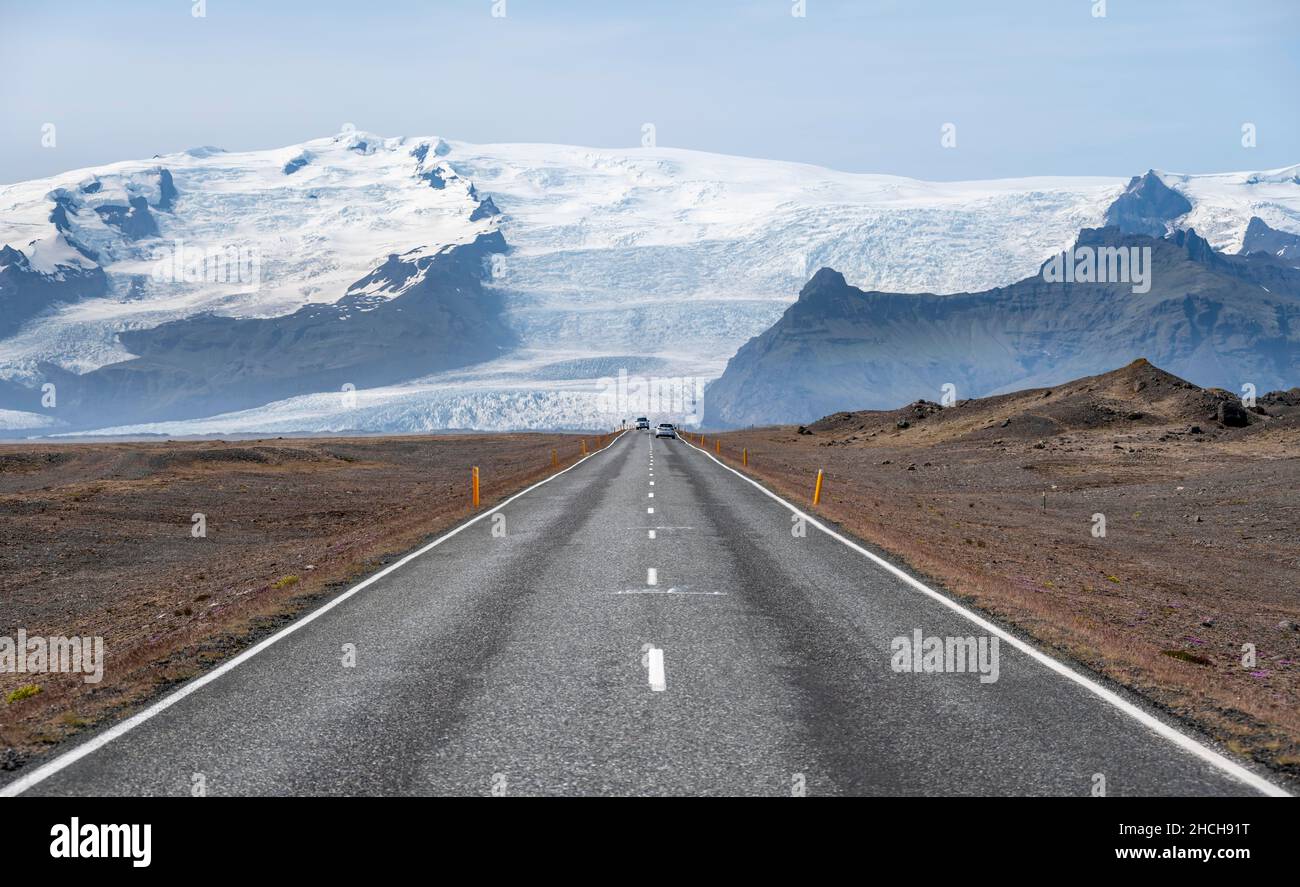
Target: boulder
<point x="1232" y="414"/>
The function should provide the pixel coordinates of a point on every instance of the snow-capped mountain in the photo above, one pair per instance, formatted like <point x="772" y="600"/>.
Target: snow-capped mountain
<point x="1221" y="320"/>
<point x="652" y="261"/>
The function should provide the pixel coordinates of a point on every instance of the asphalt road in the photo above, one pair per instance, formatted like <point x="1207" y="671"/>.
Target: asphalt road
<point x="519" y="657"/>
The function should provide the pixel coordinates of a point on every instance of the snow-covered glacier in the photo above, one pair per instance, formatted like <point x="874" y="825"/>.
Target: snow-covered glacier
<point x="629" y="273"/>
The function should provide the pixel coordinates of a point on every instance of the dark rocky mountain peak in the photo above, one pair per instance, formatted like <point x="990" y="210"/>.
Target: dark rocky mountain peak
<point x="1147" y="206"/>
<point x="1260" y="238"/>
<point x="1213" y="318"/>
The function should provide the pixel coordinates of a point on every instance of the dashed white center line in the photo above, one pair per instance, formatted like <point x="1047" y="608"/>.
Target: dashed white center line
<point x="674" y="590"/>
<point x="652" y="533"/>
<point x="651" y="576"/>
<point x="651" y="495"/>
<point x="649" y="511"/>
<point x="655" y="660"/>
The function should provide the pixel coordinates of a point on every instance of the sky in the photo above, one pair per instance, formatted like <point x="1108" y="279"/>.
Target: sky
<point x="1031" y="87"/>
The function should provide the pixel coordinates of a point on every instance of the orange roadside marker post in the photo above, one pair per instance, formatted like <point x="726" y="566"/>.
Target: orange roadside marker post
<point x="584" y="446"/>
<point x="717" y="446"/>
<point x="817" y="490"/>
<point x="474" y="485"/>
<point x="555" y="459"/>
<point x="744" y="457"/>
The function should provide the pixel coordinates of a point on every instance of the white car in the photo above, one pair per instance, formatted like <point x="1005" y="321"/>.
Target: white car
<point x="665" y="430"/>
<point x="643" y="422"/>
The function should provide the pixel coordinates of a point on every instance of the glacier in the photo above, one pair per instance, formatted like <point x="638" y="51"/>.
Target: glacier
<point x="659" y="262"/>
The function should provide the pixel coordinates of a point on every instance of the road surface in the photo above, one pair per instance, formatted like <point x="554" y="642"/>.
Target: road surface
<point x="646" y="622"/>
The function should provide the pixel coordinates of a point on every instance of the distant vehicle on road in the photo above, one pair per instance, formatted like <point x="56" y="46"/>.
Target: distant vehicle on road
<point x="665" y="430"/>
<point x="643" y="422"/>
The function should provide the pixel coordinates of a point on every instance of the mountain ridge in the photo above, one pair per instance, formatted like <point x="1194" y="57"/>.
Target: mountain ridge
<point x="1136" y="396"/>
<point x="614" y="254"/>
<point x="1209" y="316"/>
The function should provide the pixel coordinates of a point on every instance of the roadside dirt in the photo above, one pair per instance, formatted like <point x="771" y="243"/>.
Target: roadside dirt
<point x="98" y="540"/>
<point x="996" y="500"/>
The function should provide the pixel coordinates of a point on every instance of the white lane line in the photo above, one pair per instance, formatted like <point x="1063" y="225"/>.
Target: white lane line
<point x="651" y="576"/>
<point x="649" y="511"/>
<point x="651" y="495"/>
<point x="652" y="533"/>
<point x="652" y="483"/>
<point x="673" y="590"/>
<point x="45" y="771"/>
<point x="656" y="660"/>
<point x="1152" y="723"/>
